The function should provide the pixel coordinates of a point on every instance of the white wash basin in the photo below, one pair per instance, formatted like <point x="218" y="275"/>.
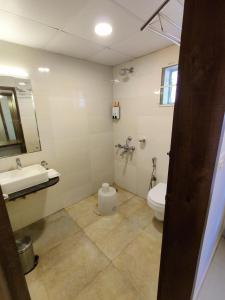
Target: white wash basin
<point x="17" y="180"/>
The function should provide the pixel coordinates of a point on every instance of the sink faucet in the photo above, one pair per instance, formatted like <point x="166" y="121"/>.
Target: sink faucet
<point x="18" y="164"/>
<point x="44" y="164"/>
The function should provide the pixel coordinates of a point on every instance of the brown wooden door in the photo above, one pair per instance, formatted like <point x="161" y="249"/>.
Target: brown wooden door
<point x="198" y="119"/>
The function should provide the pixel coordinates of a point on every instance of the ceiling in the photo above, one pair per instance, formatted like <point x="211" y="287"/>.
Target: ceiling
<point x="67" y="27"/>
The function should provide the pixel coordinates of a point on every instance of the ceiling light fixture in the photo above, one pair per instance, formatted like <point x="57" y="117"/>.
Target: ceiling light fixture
<point x="43" y="69"/>
<point x="103" y="29"/>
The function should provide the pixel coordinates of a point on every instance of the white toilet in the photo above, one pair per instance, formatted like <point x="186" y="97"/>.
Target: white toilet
<point x="156" y="200"/>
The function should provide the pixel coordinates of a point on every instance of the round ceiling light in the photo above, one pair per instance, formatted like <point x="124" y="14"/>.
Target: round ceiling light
<point x="103" y="29"/>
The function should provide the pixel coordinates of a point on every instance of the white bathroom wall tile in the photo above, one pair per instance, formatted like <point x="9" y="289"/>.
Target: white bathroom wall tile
<point x="76" y="152"/>
<point x="142" y="116"/>
<point x="126" y="126"/>
<point x="99" y="123"/>
<point x="76" y="194"/>
<point x="125" y="176"/>
<point x="129" y="106"/>
<point x="76" y="181"/>
<point x="143" y="181"/>
<point x="100" y="178"/>
<point x="101" y="153"/>
<point x="157" y="131"/>
<point x="73" y="104"/>
<point x="98" y="105"/>
<point x="67" y="119"/>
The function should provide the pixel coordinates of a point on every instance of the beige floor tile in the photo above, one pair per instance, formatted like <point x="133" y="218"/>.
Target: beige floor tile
<point x="36" y="287"/>
<point x="155" y="229"/>
<point x="112" y="234"/>
<point x="139" y="263"/>
<point x="131" y="206"/>
<point x="49" y="232"/>
<point x="123" y="195"/>
<point x="37" y="290"/>
<point x="142" y="217"/>
<point x="83" y="212"/>
<point x="67" y="268"/>
<point x="100" y="230"/>
<point x="109" y="285"/>
<point x="118" y="238"/>
<point x="77" y="246"/>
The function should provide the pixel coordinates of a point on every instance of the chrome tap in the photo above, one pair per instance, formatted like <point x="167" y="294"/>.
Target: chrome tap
<point x="44" y="164"/>
<point x="119" y="146"/>
<point x="126" y="148"/>
<point x="19" y="164"/>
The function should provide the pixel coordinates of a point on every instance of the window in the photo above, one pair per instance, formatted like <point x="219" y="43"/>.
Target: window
<point x="168" y="85"/>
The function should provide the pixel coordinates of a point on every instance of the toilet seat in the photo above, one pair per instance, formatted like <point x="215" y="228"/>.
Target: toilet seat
<point x="156" y="200"/>
<point x="157" y="194"/>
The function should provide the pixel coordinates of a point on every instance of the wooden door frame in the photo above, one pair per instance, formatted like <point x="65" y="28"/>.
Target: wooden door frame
<point x="197" y="124"/>
<point x="12" y="281"/>
<point x="198" y="118"/>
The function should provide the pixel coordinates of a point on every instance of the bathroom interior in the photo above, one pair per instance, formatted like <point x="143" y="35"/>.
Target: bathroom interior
<point x="87" y="92"/>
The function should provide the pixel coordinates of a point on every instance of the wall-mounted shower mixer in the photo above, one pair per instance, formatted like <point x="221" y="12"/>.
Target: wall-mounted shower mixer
<point x="126" y="148"/>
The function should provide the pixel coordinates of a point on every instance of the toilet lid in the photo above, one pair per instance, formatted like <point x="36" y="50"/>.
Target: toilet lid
<point x="158" y="193"/>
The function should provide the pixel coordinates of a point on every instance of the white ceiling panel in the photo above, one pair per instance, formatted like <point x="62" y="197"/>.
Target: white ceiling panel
<point x="142" y="43"/>
<point x="22" y="31"/>
<point x="110" y="57"/>
<point x="174" y="10"/>
<point x="72" y="45"/>
<point x="167" y="27"/>
<point x="124" y="24"/>
<point x="141" y="8"/>
<point x="31" y="22"/>
<point x="51" y="12"/>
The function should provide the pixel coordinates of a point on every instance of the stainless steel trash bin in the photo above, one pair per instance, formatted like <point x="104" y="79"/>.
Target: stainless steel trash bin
<point x="26" y="253"/>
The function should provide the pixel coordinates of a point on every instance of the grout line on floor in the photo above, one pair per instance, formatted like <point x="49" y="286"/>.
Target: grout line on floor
<point x="127" y="279"/>
<point x="90" y="282"/>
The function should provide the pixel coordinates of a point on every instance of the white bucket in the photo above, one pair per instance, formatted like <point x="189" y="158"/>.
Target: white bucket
<point x="107" y="200"/>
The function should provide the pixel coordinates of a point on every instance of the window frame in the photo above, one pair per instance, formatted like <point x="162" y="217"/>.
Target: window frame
<point x="163" y="86"/>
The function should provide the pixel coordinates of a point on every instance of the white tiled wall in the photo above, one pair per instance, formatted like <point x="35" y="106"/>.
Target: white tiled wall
<point x="141" y="116"/>
<point x="73" y="104"/>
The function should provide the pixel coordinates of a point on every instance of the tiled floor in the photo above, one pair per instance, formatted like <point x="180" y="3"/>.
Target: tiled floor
<point x="84" y="256"/>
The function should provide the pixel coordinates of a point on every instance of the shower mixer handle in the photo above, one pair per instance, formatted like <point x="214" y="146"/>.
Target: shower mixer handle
<point x="126" y="148"/>
<point x="119" y="146"/>
<point x="129" y="139"/>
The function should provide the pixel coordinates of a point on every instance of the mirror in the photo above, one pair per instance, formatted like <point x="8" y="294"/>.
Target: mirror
<point x="18" y="123"/>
